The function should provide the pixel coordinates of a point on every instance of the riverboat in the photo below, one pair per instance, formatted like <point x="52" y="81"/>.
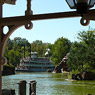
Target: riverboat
<point x="35" y="64"/>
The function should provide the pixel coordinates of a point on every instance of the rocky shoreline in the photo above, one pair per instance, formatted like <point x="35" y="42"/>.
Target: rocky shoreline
<point x="84" y="76"/>
<point x="8" y="70"/>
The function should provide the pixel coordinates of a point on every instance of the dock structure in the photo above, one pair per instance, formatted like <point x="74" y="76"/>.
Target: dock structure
<point x="23" y="85"/>
<point x="22" y="88"/>
<point x="32" y="87"/>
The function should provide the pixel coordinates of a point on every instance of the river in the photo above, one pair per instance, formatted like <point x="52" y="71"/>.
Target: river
<point x="50" y="84"/>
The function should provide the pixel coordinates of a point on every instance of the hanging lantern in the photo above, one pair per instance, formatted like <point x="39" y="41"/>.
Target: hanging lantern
<point x="82" y="6"/>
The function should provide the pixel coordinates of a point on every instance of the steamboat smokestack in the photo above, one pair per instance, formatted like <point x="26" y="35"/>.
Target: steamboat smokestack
<point x="30" y="51"/>
<point x="24" y="51"/>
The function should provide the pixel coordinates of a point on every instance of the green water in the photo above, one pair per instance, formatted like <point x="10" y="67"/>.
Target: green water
<point x="50" y="84"/>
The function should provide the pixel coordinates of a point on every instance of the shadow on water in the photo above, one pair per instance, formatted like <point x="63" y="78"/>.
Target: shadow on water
<point x="50" y="84"/>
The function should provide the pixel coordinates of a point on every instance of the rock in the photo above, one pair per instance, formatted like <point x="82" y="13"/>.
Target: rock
<point x="74" y="76"/>
<point x="88" y="76"/>
<point x="84" y="76"/>
<point x="8" y="70"/>
<point x="48" y="70"/>
<point x="8" y="91"/>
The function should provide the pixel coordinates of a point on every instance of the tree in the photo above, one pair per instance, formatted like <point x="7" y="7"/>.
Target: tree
<point x="14" y="50"/>
<point x="60" y="48"/>
<point x="48" y="50"/>
<point x="19" y="43"/>
<point x="39" y="47"/>
<point x="77" y="58"/>
<point x="14" y="57"/>
<point x="9" y="44"/>
<point x="82" y="54"/>
<point x="88" y="37"/>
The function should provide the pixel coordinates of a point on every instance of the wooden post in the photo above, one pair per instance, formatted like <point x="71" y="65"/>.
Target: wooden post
<point x="28" y="11"/>
<point x="0" y="81"/>
<point x="22" y="87"/>
<point x="32" y="88"/>
<point x="24" y="51"/>
<point x="8" y="92"/>
<point x="30" y="51"/>
<point x="0" y="51"/>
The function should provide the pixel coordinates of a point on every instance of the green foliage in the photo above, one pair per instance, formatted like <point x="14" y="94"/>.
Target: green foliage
<point x="8" y="69"/>
<point x="14" y="49"/>
<point x="81" y="58"/>
<point x="48" y="50"/>
<point x="14" y="57"/>
<point x="82" y="54"/>
<point x="40" y="47"/>
<point x="73" y="72"/>
<point x="76" y="58"/>
<point x="7" y="65"/>
<point x="60" y="49"/>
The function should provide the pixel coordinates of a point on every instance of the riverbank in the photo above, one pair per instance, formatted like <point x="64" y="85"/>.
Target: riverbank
<point x="83" y="76"/>
<point x="8" y="70"/>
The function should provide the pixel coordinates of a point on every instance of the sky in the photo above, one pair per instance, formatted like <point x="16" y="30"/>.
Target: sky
<point x="46" y="30"/>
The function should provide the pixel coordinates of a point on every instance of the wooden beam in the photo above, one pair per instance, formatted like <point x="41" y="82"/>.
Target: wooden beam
<point x="24" y="19"/>
<point x="11" y="20"/>
<point x="12" y="2"/>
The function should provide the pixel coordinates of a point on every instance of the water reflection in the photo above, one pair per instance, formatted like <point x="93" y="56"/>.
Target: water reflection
<point x="50" y="84"/>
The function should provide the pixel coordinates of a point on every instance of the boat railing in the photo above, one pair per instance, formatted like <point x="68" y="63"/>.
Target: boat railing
<point x="38" y="65"/>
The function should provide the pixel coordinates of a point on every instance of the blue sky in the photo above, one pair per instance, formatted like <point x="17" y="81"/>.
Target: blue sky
<point x="46" y="30"/>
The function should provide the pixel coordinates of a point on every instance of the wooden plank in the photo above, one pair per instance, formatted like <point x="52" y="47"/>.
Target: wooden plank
<point x="12" y="20"/>
<point x="12" y="2"/>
